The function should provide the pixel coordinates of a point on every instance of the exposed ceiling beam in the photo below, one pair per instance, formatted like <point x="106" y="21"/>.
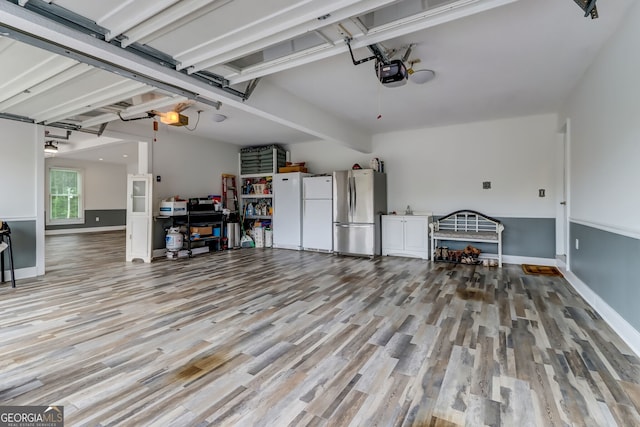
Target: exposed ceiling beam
<point x="233" y="49"/>
<point x="279" y="28"/>
<point x="91" y="101"/>
<point x="155" y="104"/>
<point x="19" y="76"/>
<point x="307" y="118"/>
<point x="179" y="14"/>
<point x="263" y="15"/>
<point x="85" y="47"/>
<point x="130" y="13"/>
<point x="402" y="27"/>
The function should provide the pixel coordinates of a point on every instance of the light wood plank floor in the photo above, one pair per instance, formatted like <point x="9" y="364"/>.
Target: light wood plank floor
<point x="268" y="337"/>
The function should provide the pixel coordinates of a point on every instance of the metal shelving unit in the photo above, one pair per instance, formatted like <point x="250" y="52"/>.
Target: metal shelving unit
<point x="195" y="218"/>
<point x="261" y="163"/>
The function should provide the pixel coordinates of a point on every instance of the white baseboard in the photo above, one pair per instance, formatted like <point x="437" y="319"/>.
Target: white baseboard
<point x="21" y="273"/>
<point x="512" y="259"/>
<point x="85" y="230"/>
<point x="627" y="332"/>
<point x="293" y="247"/>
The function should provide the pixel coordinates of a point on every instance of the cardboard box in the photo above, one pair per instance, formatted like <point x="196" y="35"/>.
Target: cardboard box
<point x="258" y="237"/>
<point x="173" y="208"/>
<point x="288" y="169"/>
<point x="202" y="231"/>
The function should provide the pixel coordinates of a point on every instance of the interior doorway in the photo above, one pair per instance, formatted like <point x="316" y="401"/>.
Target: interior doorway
<point x="562" y="207"/>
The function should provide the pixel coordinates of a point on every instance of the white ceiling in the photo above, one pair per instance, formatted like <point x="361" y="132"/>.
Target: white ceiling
<point x="492" y="59"/>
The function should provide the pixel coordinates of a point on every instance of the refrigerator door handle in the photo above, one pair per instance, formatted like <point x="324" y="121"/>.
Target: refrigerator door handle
<point x="354" y="225"/>
<point x="355" y="196"/>
<point x="349" y="196"/>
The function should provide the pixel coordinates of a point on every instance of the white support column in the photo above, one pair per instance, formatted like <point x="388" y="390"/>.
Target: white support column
<point x="143" y="157"/>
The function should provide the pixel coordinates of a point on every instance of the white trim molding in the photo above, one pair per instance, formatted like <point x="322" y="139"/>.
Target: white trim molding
<point x="19" y="218"/>
<point x="21" y="273"/>
<point x="84" y="230"/>
<point x="513" y="259"/>
<point x="623" y="231"/>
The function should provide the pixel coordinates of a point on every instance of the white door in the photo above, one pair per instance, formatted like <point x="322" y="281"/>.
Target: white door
<point x="317" y="225"/>
<point x="416" y="234"/>
<point x="287" y="211"/>
<point x="392" y="233"/>
<point x="317" y="187"/>
<point x="139" y="217"/>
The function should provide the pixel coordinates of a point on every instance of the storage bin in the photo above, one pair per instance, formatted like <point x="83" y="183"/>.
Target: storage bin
<point x="259" y="188"/>
<point x="268" y="237"/>
<point x="203" y="231"/>
<point x="258" y="237"/>
<point x="260" y="159"/>
<point x="173" y="208"/>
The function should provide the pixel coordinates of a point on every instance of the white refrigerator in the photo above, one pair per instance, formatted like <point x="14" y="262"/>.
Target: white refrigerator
<point x="317" y="213"/>
<point x="287" y="210"/>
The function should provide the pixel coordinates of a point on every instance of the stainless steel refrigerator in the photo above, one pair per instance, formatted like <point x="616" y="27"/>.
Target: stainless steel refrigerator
<point x="359" y="198"/>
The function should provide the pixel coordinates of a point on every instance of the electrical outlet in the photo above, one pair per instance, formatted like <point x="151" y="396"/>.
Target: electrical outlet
<point x="97" y="219"/>
<point x="541" y="192"/>
<point x="577" y="244"/>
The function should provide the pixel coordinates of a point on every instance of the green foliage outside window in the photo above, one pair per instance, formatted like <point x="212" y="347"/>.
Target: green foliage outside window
<point x="64" y="188"/>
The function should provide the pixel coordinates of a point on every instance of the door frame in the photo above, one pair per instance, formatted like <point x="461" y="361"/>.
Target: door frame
<point x="563" y="211"/>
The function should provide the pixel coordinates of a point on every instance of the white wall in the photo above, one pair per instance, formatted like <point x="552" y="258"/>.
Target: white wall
<point x="19" y="151"/>
<point x="442" y="169"/>
<point x="326" y="157"/>
<point x="105" y="184"/>
<point x="604" y="111"/>
<point x="190" y="166"/>
<point x="22" y="192"/>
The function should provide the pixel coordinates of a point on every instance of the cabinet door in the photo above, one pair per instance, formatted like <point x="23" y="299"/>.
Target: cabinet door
<point x="139" y="218"/>
<point x="392" y="233"/>
<point x="416" y="234"/>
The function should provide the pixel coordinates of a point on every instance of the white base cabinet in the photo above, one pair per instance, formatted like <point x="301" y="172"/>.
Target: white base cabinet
<point x="139" y="217"/>
<point x="405" y="235"/>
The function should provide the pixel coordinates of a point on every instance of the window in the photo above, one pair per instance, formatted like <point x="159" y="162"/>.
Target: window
<point x="66" y="204"/>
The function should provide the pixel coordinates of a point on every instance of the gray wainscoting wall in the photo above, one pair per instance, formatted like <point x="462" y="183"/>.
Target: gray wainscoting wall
<point x="529" y="237"/>
<point x="604" y="262"/>
<point x="108" y="218"/>
<point x="23" y="244"/>
<point x="525" y="237"/>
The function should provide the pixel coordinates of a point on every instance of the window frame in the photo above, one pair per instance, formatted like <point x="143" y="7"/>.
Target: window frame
<point x="81" y="197"/>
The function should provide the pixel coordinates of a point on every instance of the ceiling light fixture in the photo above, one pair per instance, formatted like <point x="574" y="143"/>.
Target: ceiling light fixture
<point x="219" y="118"/>
<point x="170" y="118"/>
<point x="50" y="148"/>
<point x="173" y="117"/>
<point x="420" y="76"/>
